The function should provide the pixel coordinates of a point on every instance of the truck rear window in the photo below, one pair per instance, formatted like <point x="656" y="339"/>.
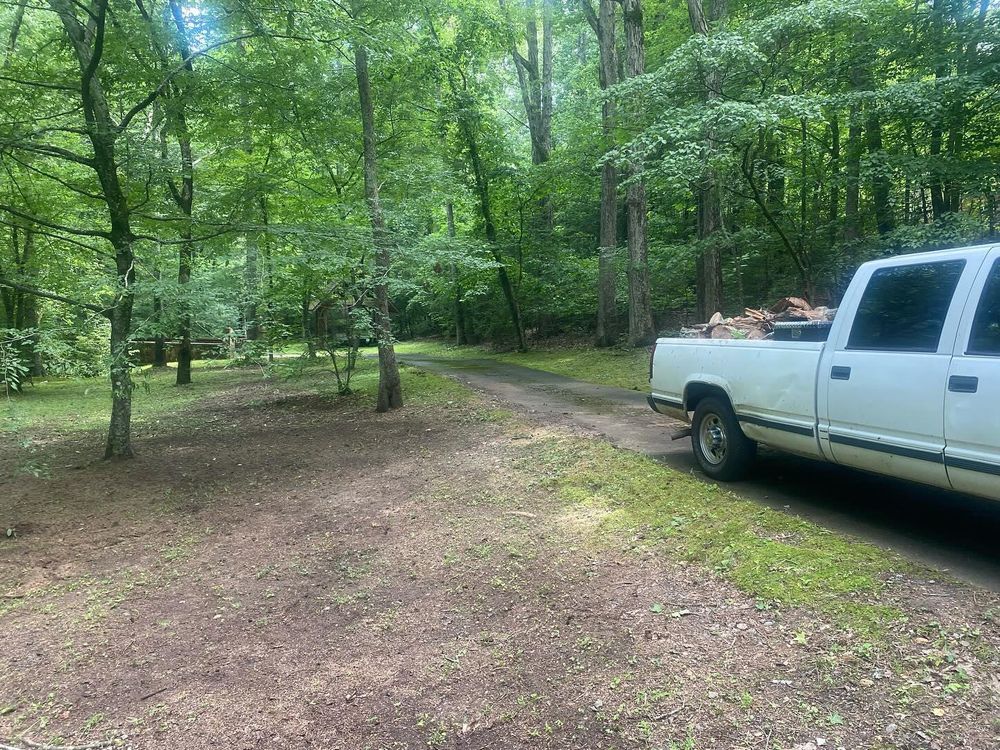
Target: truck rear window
<point x="985" y="338"/>
<point x="904" y="307"/>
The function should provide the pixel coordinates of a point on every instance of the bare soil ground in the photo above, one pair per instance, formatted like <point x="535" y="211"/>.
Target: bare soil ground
<point x="282" y="570"/>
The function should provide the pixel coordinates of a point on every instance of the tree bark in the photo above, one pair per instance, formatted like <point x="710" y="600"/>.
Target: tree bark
<point x="709" y="265"/>
<point x="184" y="198"/>
<point x="942" y="70"/>
<point x="461" y="337"/>
<point x="15" y="30"/>
<point x="308" y="335"/>
<point x="87" y="42"/>
<point x="119" y="443"/>
<point x="885" y="219"/>
<point x="489" y="227"/>
<point x="159" y="342"/>
<point x="28" y="313"/>
<point x="852" y="213"/>
<point x="8" y="295"/>
<point x="534" y="77"/>
<point x="833" y="211"/>
<point x="390" y="389"/>
<point x="251" y="284"/>
<point x="640" y="315"/>
<point x="603" y="23"/>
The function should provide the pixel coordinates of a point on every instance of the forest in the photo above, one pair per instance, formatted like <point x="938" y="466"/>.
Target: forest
<point x="182" y="175"/>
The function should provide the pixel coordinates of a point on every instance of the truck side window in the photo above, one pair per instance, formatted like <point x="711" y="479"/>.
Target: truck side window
<point x="985" y="338"/>
<point x="904" y="307"/>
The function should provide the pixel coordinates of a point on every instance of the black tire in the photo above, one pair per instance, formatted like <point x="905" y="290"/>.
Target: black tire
<point x="723" y="451"/>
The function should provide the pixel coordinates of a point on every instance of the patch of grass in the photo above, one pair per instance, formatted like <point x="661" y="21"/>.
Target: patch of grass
<point x="769" y="555"/>
<point x="420" y="388"/>
<point x="180" y="550"/>
<point x="622" y="368"/>
<point x="80" y="404"/>
<point x="427" y="389"/>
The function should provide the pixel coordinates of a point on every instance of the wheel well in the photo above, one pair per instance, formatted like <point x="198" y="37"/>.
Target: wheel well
<point x="695" y="392"/>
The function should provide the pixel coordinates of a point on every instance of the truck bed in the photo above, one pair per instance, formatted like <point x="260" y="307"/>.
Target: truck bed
<point x="771" y="384"/>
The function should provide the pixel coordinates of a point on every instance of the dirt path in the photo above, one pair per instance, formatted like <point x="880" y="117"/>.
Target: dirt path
<point x="941" y="529"/>
<point x="288" y="571"/>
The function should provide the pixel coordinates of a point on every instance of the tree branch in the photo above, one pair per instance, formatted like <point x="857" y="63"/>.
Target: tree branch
<point x="747" y="169"/>
<point x="155" y="93"/>
<point x="60" y="238"/>
<point x="98" y="49"/>
<point x="38" y="84"/>
<point x="54" y="178"/>
<point x="524" y="63"/>
<point x="591" y="16"/>
<point x="51" y="295"/>
<point x="47" y="150"/>
<point x="59" y="227"/>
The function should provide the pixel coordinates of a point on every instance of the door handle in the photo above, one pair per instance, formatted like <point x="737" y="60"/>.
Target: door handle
<point x="963" y="384"/>
<point x="840" y="373"/>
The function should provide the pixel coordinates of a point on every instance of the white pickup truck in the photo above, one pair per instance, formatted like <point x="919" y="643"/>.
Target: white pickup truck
<point x="906" y="384"/>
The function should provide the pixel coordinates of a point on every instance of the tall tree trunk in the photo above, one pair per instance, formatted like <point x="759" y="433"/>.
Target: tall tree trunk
<point x="8" y="295"/>
<point x="308" y="335"/>
<point x="159" y="342"/>
<point x="885" y="219"/>
<point x="852" y="212"/>
<point x="265" y="241"/>
<point x="28" y="314"/>
<point x="461" y="338"/>
<point x="833" y="211"/>
<point x="390" y="388"/>
<point x="87" y="41"/>
<point x="119" y="443"/>
<point x="640" y="314"/>
<point x="20" y="307"/>
<point x="489" y="227"/>
<point x="15" y="30"/>
<point x="709" y="267"/>
<point x="547" y="204"/>
<point x="942" y="71"/>
<point x="251" y="283"/>
<point x="603" y="23"/>
<point x="185" y="262"/>
<point x="534" y="77"/>
<point x="709" y="264"/>
<point x="184" y="198"/>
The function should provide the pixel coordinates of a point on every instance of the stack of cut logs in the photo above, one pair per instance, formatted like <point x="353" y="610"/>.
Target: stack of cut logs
<point x="758" y="324"/>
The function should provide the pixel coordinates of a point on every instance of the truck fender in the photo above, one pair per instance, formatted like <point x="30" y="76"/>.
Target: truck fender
<point x="701" y="385"/>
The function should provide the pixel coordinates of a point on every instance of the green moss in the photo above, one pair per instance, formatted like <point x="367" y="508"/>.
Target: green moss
<point x="622" y="368"/>
<point x="424" y="388"/>
<point x="774" y="557"/>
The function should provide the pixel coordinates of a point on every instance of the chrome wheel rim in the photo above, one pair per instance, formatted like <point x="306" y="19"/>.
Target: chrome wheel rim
<point x="713" y="440"/>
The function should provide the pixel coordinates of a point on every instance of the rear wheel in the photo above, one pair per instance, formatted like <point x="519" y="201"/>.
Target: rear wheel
<point x="722" y="450"/>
